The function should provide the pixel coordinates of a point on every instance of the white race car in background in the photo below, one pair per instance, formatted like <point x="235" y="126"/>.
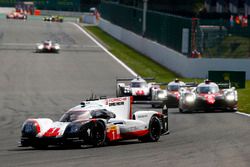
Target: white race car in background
<point x="170" y="95"/>
<point x="95" y="122"/>
<point x="47" y="46"/>
<point x="137" y="87"/>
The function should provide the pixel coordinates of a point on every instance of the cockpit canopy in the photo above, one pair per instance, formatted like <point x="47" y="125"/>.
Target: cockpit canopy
<point x="138" y="84"/>
<point x="208" y="88"/>
<point x="71" y="116"/>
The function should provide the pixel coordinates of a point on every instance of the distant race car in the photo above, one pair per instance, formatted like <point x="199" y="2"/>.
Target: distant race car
<point x="95" y="122"/>
<point x="169" y="96"/>
<point x="209" y="96"/>
<point x="137" y="87"/>
<point x="47" y="47"/>
<point x="16" y="15"/>
<point x="53" y="18"/>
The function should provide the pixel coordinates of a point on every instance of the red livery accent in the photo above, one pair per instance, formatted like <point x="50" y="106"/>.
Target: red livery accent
<point x="38" y="128"/>
<point x="210" y="98"/>
<point x="135" y="133"/>
<point x="140" y="92"/>
<point x="52" y="132"/>
<point x="113" y="133"/>
<point x="177" y="94"/>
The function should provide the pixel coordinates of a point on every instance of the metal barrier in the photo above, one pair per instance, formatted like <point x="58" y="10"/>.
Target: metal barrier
<point x="222" y="39"/>
<point x="166" y="29"/>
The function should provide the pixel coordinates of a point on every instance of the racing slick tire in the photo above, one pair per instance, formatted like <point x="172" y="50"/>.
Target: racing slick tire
<point x="154" y="131"/>
<point x="96" y="132"/>
<point x="180" y="110"/>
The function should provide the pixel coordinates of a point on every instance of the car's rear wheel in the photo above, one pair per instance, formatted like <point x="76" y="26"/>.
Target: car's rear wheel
<point x="154" y="131"/>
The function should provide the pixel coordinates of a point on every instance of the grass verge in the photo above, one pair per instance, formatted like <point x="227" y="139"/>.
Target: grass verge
<point x="148" y="68"/>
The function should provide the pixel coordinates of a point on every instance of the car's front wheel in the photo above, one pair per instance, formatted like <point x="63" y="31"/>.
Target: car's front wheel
<point x="95" y="133"/>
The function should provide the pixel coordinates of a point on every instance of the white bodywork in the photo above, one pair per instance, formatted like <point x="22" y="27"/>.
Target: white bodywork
<point x="47" y="46"/>
<point x="136" y="87"/>
<point x="123" y="121"/>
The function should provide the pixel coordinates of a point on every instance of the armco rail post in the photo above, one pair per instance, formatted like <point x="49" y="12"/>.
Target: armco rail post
<point x="144" y="20"/>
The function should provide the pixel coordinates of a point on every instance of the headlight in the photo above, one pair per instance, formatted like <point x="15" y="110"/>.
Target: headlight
<point x="162" y="95"/>
<point x="73" y="128"/>
<point x="40" y="46"/>
<point x="29" y="128"/>
<point x="190" y="98"/>
<point x="57" y="47"/>
<point x="127" y="90"/>
<point x="230" y="97"/>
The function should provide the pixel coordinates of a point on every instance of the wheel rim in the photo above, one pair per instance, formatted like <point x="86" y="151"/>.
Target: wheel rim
<point x="98" y="134"/>
<point x="155" y="129"/>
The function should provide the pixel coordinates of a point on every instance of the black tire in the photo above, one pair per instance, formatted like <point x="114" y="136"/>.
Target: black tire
<point x="97" y="133"/>
<point x="154" y="131"/>
<point x="180" y="110"/>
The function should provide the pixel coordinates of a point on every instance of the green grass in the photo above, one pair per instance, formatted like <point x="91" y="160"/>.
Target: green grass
<point x="148" y="68"/>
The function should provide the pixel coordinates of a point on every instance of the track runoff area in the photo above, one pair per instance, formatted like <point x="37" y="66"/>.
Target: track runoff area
<point x="46" y="85"/>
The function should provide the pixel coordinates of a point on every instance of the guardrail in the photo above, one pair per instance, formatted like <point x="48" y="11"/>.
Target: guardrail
<point x="62" y="13"/>
<point x="175" y="61"/>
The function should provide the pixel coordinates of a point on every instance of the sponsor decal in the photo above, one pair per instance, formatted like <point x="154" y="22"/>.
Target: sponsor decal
<point x="113" y="133"/>
<point x="142" y="116"/>
<point x="116" y="101"/>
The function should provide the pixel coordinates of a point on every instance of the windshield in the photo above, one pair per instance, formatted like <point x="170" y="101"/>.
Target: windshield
<point x="173" y="87"/>
<point x="73" y="115"/>
<point x="137" y="84"/>
<point x="207" y="89"/>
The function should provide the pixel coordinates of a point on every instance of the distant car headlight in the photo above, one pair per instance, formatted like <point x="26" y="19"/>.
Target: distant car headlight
<point x="190" y="98"/>
<point x="162" y="95"/>
<point x="127" y="90"/>
<point x="57" y="47"/>
<point x="40" y="46"/>
<point x="230" y="97"/>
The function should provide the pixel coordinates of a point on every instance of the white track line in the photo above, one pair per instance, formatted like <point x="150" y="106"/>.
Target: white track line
<point x="108" y="52"/>
<point x="241" y="113"/>
<point x="33" y="44"/>
<point x="119" y="61"/>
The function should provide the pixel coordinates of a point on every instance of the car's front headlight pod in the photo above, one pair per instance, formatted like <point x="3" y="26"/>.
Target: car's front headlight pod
<point x="40" y="46"/>
<point x="162" y="95"/>
<point x="230" y="97"/>
<point x="190" y="98"/>
<point x="127" y="90"/>
<point x="73" y="128"/>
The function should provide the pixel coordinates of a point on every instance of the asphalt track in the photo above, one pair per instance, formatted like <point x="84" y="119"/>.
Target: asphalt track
<point x="46" y="85"/>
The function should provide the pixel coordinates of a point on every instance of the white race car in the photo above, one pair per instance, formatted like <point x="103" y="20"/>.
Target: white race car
<point x="95" y="122"/>
<point x="137" y="87"/>
<point x="47" y="46"/>
<point x="169" y="96"/>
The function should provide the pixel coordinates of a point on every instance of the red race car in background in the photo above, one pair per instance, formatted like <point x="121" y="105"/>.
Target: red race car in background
<point x="209" y="96"/>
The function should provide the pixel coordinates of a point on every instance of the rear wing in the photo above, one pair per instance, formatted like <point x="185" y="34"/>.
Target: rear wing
<point x="130" y="79"/>
<point x="121" y="106"/>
